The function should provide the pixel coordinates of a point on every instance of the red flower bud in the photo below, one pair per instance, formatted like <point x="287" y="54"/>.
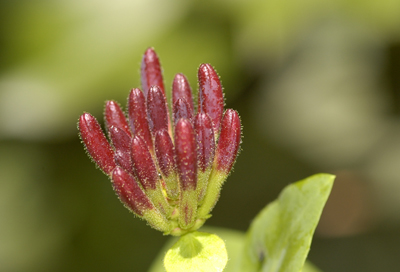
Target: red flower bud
<point x="135" y="199"/>
<point x="146" y="171"/>
<point x="205" y="151"/>
<point x="122" y="145"/>
<point x="143" y="164"/>
<point x="138" y="116"/>
<point x="151" y="71"/>
<point x="165" y="154"/>
<point x="205" y="140"/>
<point x="129" y="192"/>
<point x="229" y="141"/>
<point x="96" y="143"/>
<point x="211" y="98"/>
<point x="157" y="109"/>
<point x="181" y="89"/>
<point x="182" y="110"/>
<point x="186" y="154"/>
<point x="115" y="117"/>
<point x="186" y="160"/>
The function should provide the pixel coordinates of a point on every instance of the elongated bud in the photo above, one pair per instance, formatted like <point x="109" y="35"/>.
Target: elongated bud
<point x="146" y="171"/>
<point x="122" y="147"/>
<point x="157" y="109"/>
<point x="205" y="150"/>
<point x="138" y="117"/>
<point x="211" y="97"/>
<point x="182" y="110"/>
<point x="186" y="160"/>
<point x="165" y="154"/>
<point x="143" y="165"/>
<point x="130" y="192"/>
<point x="181" y="89"/>
<point x="96" y="143"/>
<point x="135" y="199"/>
<point x="114" y="116"/>
<point x="229" y="141"/>
<point x="186" y="154"/>
<point x="225" y="155"/>
<point x="151" y="73"/>
<point x="205" y="140"/>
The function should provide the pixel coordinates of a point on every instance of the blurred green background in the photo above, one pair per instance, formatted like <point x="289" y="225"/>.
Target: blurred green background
<point x="317" y="84"/>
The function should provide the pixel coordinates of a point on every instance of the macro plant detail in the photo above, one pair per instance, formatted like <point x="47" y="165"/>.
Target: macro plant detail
<point x="167" y="167"/>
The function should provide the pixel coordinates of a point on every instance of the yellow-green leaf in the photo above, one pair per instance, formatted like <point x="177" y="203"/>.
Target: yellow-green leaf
<point x="280" y="237"/>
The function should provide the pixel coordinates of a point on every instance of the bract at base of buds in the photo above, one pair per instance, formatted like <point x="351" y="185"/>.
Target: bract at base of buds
<point x="167" y="172"/>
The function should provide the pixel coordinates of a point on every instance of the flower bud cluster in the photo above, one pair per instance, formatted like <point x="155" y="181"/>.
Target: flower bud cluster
<point x="167" y="168"/>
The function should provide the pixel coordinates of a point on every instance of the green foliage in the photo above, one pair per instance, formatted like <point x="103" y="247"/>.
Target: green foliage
<point x="278" y="239"/>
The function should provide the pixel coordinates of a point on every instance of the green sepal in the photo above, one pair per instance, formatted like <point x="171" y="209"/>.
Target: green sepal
<point x="215" y="182"/>
<point x="172" y="186"/>
<point x="187" y="208"/>
<point x="202" y="184"/>
<point x="197" y="251"/>
<point x="159" y="200"/>
<point x="158" y="221"/>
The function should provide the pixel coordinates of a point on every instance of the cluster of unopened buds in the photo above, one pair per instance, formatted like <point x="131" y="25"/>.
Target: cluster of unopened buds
<point x="167" y="169"/>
